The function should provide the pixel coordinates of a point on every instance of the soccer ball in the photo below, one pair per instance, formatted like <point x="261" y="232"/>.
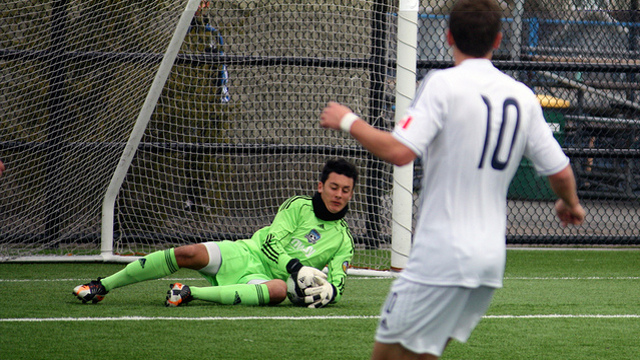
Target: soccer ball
<point x="295" y="293"/>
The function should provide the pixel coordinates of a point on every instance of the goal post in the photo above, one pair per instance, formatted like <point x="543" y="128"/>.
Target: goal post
<point x="108" y="205"/>
<point x="402" y="227"/>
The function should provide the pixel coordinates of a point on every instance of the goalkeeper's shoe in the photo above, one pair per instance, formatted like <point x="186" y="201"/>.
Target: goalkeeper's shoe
<point x="93" y="291"/>
<point x="179" y="294"/>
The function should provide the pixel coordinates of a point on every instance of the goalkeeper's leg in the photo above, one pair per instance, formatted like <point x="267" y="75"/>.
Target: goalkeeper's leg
<point x="269" y="293"/>
<point x="159" y="264"/>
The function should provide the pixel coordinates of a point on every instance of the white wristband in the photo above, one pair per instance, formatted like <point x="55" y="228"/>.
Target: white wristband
<point x="347" y="121"/>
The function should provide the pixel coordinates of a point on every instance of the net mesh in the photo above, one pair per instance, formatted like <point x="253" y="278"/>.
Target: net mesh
<point x="74" y="75"/>
<point x="235" y="131"/>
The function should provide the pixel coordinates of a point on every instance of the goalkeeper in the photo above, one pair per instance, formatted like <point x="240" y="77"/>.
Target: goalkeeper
<point x="307" y="234"/>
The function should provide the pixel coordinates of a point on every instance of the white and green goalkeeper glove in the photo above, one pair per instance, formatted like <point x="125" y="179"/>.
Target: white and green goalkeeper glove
<point x="320" y="295"/>
<point x="304" y="275"/>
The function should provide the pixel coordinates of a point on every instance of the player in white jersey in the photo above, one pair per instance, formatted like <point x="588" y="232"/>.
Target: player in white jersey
<point x="471" y="125"/>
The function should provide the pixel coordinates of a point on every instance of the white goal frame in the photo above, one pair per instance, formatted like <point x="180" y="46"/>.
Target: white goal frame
<point x="402" y="195"/>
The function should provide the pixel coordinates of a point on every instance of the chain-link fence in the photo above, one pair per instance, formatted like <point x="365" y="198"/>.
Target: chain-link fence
<point x="581" y="58"/>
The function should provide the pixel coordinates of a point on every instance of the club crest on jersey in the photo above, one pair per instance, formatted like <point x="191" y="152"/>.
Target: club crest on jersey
<point x="313" y="236"/>
<point x="345" y="266"/>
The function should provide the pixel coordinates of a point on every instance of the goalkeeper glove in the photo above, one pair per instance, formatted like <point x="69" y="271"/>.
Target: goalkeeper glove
<point x="303" y="275"/>
<point x="320" y="295"/>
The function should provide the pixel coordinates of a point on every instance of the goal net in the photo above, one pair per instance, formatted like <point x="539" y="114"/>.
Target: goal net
<point x="128" y="126"/>
<point x="231" y="133"/>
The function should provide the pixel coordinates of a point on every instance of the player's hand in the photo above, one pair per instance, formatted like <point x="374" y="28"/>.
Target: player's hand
<point x="320" y="295"/>
<point x="332" y="114"/>
<point x="307" y="276"/>
<point x="573" y="215"/>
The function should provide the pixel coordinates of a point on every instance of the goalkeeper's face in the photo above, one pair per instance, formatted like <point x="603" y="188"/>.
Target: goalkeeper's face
<point x="336" y="192"/>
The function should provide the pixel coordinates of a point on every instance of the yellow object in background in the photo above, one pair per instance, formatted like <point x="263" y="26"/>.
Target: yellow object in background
<point x="548" y="101"/>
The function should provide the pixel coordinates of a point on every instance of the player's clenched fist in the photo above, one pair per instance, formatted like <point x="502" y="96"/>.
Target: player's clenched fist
<point x="337" y="116"/>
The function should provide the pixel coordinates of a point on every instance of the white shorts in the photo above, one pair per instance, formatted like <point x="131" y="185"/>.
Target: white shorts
<point x="422" y="318"/>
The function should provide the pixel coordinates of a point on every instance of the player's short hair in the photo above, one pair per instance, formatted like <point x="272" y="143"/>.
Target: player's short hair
<point x="339" y="166"/>
<point x="474" y="25"/>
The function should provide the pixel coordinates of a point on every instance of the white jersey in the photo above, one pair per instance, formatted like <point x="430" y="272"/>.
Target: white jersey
<point x="471" y="125"/>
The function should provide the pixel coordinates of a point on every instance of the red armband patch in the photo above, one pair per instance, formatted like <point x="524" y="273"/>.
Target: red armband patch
<point x="404" y="123"/>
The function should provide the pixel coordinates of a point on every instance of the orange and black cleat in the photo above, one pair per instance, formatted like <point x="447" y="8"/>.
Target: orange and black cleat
<point x="93" y="291"/>
<point x="179" y="294"/>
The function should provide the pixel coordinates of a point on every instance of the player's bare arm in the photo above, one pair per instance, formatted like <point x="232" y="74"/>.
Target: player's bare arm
<point x="339" y="117"/>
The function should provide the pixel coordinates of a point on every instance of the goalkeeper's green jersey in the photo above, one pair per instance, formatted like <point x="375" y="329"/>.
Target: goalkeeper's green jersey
<point x="296" y="232"/>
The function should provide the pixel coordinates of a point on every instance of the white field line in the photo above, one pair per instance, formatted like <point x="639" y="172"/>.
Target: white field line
<point x="361" y="278"/>
<point x="355" y="317"/>
<point x="305" y="318"/>
<point x="575" y="278"/>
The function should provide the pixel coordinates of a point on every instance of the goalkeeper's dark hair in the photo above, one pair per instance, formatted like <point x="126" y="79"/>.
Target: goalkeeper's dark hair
<point x="474" y="25"/>
<point x="339" y="166"/>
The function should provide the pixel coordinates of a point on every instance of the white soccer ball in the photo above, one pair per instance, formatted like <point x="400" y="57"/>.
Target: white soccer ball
<point x="295" y="293"/>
